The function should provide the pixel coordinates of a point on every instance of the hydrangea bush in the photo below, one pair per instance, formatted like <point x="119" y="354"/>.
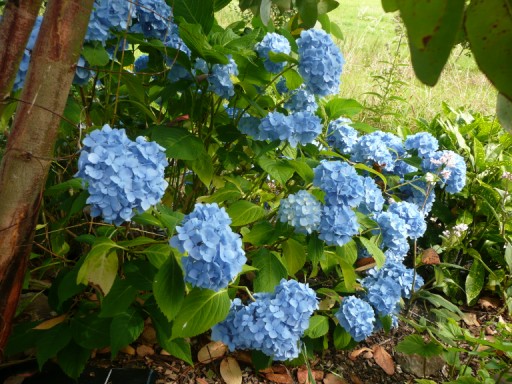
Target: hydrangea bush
<point x="232" y="182"/>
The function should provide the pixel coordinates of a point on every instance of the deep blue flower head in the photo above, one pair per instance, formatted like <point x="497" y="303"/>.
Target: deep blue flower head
<point x="173" y="40"/>
<point x="281" y="86"/>
<point x="371" y="149"/>
<point x="337" y="225"/>
<point x="82" y="74"/>
<point x="414" y="219"/>
<point x="393" y="229"/>
<point x="121" y="175"/>
<point x="249" y="125"/>
<point x="383" y="294"/>
<point x="341" y="136"/>
<point x="356" y="317"/>
<point x="141" y="64"/>
<point x="215" y="254"/>
<point x="107" y="15"/>
<point x="302" y="211"/>
<point x="154" y="18"/>
<point x="423" y="143"/>
<point x="220" y="79"/>
<point x="25" y="60"/>
<point x="399" y="273"/>
<point x="373" y="201"/>
<point x="305" y="127"/>
<point x="273" y="324"/>
<point x="340" y="182"/>
<point x="320" y="62"/>
<point x="419" y="193"/>
<point x="301" y="101"/>
<point x="450" y="167"/>
<point x="274" y="126"/>
<point x="272" y="42"/>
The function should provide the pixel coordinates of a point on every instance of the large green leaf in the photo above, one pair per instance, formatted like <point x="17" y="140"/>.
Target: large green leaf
<point x="342" y="107"/>
<point x="180" y="348"/>
<point x="203" y="168"/>
<point x="195" y="12"/>
<point x="157" y="254"/>
<point x="200" y="310"/>
<point x="270" y="271"/>
<point x="118" y="299"/>
<point x="91" y="331"/>
<point x="489" y="32"/>
<point x="96" y="55"/>
<point x="280" y="170"/>
<point x="72" y="359"/>
<point x="125" y="329"/>
<point x="308" y="12"/>
<point x="414" y="344"/>
<point x="432" y="28"/>
<point x="51" y="342"/>
<point x="169" y="288"/>
<point x="244" y="212"/>
<point x="318" y="326"/>
<point x="178" y="142"/>
<point x="347" y="255"/>
<point x="475" y="282"/>
<point x="261" y="233"/>
<point x="294" y="256"/>
<point x="504" y="112"/>
<point x="198" y="44"/>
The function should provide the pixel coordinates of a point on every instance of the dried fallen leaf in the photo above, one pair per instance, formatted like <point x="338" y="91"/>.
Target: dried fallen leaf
<point x="18" y="379"/>
<point x="489" y="302"/>
<point x="230" y="371"/>
<point x="281" y="378"/>
<point x="145" y="350"/>
<point x="129" y="350"/>
<point x="201" y="381"/>
<point x="212" y="351"/>
<point x="365" y="263"/>
<point x="384" y="359"/>
<point x="353" y="355"/>
<point x="355" y="379"/>
<point x="470" y="319"/>
<point x="430" y="257"/>
<point x="331" y="378"/>
<point x="275" y="369"/>
<point x="244" y="357"/>
<point x="50" y="323"/>
<point x="303" y="375"/>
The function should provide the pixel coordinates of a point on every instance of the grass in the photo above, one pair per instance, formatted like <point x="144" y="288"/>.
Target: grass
<point x="373" y="40"/>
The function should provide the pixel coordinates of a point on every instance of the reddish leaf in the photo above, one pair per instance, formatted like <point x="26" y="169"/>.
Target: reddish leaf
<point x="430" y="257"/>
<point x="384" y="359"/>
<point x="281" y="378"/>
<point x="303" y="375"/>
<point x="211" y="351"/>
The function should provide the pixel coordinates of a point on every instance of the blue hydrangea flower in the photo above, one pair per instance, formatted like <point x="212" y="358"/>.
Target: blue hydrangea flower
<point x="107" y="15"/>
<point x="82" y="74"/>
<point x="398" y="253"/>
<point x="419" y="193"/>
<point x="141" y="63"/>
<point x="25" y="60"/>
<point x="393" y="229"/>
<point x="320" y="62"/>
<point x="356" y="317"/>
<point x="450" y="167"/>
<point x="220" y="79"/>
<point x="305" y="127"/>
<point x="272" y="42"/>
<point x="273" y="324"/>
<point x="423" y="143"/>
<point x="337" y="225"/>
<point x="274" y="126"/>
<point x="373" y="201"/>
<point x="173" y="40"/>
<point x="302" y="211"/>
<point x="250" y="125"/>
<point x="281" y="87"/>
<point x="121" y="175"/>
<point x="383" y="294"/>
<point x="340" y="182"/>
<point x="372" y="149"/>
<point x="301" y="101"/>
<point x="341" y="136"/>
<point x="154" y="18"/>
<point x="215" y="253"/>
<point x="414" y="219"/>
<point x="397" y="271"/>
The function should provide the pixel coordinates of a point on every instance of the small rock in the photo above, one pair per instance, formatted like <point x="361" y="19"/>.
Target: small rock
<point x="145" y="350"/>
<point x="420" y="366"/>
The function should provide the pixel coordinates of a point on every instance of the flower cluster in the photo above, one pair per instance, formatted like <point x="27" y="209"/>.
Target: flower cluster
<point x="341" y="136"/>
<point x="356" y="317"/>
<point x="450" y="167"/>
<point x="25" y="60"/>
<point x="338" y="224"/>
<point x="394" y="233"/>
<point x="414" y="220"/>
<point x="215" y="254"/>
<point x="82" y="74"/>
<point x="424" y="143"/>
<point x="154" y="18"/>
<point x="219" y="79"/>
<point x="107" y="15"/>
<point x="373" y="201"/>
<point x="320" y="62"/>
<point x="301" y="211"/>
<point x="457" y="231"/>
<point x="272" y="42"/>
<point x="340" y="182"/>
<point x="122" y="175"/>
<point x="273" y="324"/>
<point x="301" y="100"/>
<point x="399" y="273"/>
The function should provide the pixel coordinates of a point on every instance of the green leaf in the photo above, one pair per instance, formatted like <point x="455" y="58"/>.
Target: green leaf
<point x="374" y="250"/>
<point x="140" y="274"/>
<point x="303" y="170"/>
<point x="280" y="170"/>
<point x="315" y="249"/>
<point x="119" y="298"/>
<point x="200" y="310"/>
<point x="326" y="6"/>
<point x="489" y="31"/>
<point x="390" y="5"/>
<point x="261" y="233"/>
<point x="475" y="282"/>
<point x="169" y="288"/>
<point x="504" y="112"/>
<point x="270" y="271"/>
<point x="157" y="254"/>
<point x="341" y="337"/>
<point x="91" y="331"/>
<point x="125" y="329"/>
<point x="282" y="58"/>
<point x="195" y="12"/>
<point x="147" y="218"/>
<point x="308" y="12"/>
<point x="141" y="240"/>
<point x="432" y="28"/>
<point x="414" y="344"/>
<point x="72" y="359"/>
<point x="479" y="155"/>
<point x="203" y="168"/>
<point x="508" y="257"/>
<point x="439" y="301"/>
<point x="227" y="193"/>
<point x="244" y="212"/>
<point x="347" y="256"/>
<point x="178" y="142"/>
<point x="294" y="256"/>
<point x="66" y="186"/>
<point x="51" y="341"/>
<point x="336" y="30"/>
<point x="325" y="22"/>
<point x="100" y="265"/>
<point x="318" y="326"/>
<point x="134" y="86"/>
<point x="95" y="55"/>
<point x="198" y="44"/>
<point x="342" y="107"/>
<point x="265" y="11"/>
<point x="180" y="348"/>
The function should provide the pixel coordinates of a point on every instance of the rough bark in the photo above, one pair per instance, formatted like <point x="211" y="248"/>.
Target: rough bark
<point x="29" y="150"/>
<point x="16" y="25"/>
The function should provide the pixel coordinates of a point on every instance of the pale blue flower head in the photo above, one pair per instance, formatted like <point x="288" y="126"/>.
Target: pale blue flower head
<point x="249" y="125"/>
<point x="414" y="219"/>
<point x="393" y="230"/>
<point x="302" y="211"/>
<point x="397" y="271"/>
<point x="420" y="193"/>
<point x="450" y="167"/>
<point x="274" y="126"/>
<point x="356" y="317"/>
<point x="25" y="60"/>
<point x="383" y="294"/>
<point x="320" y="62"/>
<point x="82" y="73"/>
<point x="373" y="201"/>
<point x="423" y="143"/>
<point x="371" y="149"/>
<point x="141" y="63"/>
<point x="154" y="18"/>
<point x="338" y="225"/>
<point x="272" y="42"/>
<point x="305" y="127"/>
<point x="122" y="176"/>
<point x="341" y="136"/>
<point x="340" y="182"/>
<point x="220" y="78"/>
<point x="109" y="15"/>
<point x="301" y="100"/>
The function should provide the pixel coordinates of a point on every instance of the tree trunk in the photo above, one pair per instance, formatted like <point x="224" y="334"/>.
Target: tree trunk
<point x="17" y="22"/>
<point x="29" y="150"/>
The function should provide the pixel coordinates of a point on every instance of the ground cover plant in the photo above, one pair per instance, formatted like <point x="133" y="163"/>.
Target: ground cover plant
<point x="211" y="180"/>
